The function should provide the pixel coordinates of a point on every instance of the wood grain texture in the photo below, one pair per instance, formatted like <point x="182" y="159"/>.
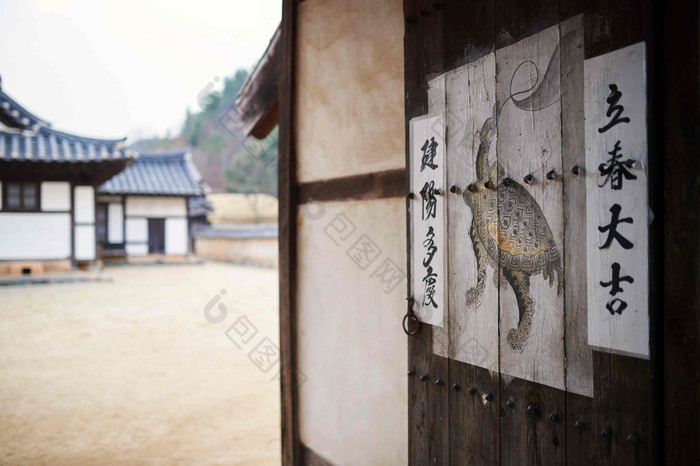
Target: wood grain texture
<point x="518" y="19"/>
<point x="428" y="436"/>
<point x="474" y="421"/>
<point x="311" y="458"/>
<point x="469" y="28"/>
<point x="681" y="284"/>
<point x="622" y="398"/>
<point x="529" y="143"/>
<point x="626" y="332"/>
<point x="579" y="359"/>
<point x="621" y="385"/>
<point x="437" y="108"/>
<point x="287" y="241"/>
<point x="528" y="435"/>
<point x="473" y="329"/>
<point x="378" y="185"/>
<point x="257" y="101"/>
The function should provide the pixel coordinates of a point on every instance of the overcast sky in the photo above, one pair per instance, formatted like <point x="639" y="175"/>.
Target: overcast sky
<point x="115" y="68"/>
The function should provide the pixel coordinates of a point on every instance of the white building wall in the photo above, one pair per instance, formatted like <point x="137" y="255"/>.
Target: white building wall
<point x="84" y="218"/>
<point x="140" y="208"/>
<point x="156" y="206"/>
<point x="84" y="204"/>
<point x="35" y="236"/>
<point x="136" y="230"/>
<point x="115" y="222"/>
<point x="84" y="242"/>
<point x="176" y="236"/>
<point x="136" y="249"/>
<point x="55" y="196"/>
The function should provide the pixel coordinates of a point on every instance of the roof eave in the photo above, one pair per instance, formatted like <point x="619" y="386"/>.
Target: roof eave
<point x="257" y="101"/>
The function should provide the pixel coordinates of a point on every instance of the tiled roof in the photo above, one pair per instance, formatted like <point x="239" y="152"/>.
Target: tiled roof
<point x="160" y="174"/>
<point x="26" y="137"/>
<point x="49" y="145"/>
<point x="199" y="205"/>
<point x="14" y="115"/>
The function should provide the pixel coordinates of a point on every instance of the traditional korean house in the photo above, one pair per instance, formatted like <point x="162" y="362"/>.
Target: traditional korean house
<point x="48" y="180"/>
<point x="488" y="230"/>
<point x="145" y="210"/>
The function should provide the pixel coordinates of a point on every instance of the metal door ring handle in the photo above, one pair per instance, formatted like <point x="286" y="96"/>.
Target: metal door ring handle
<point x="413" y="318"/>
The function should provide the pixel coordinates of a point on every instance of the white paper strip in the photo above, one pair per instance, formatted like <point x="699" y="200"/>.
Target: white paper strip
<point x="616" y="195"/>
<point x="427" y="171"/>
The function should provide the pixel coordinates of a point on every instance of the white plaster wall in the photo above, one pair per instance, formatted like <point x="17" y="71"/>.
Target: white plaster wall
<point x="156" y="206"/>
<point x="263" y="251"/>
<point x="350" y="91"/>
<point x="353" y="405"/>
<point x="136" y="249"/>
<point x="115" y="222"/>
<point x="84" y="204"/>
<point x="84" y="242"/>
<point x="55" y="196"/>
<point x="136" y="230"/>
<point x="35" y="236"/>
<point x="176" y="236"/>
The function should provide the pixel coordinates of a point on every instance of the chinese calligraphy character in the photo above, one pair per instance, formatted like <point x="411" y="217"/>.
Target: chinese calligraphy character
<point x="429" y="151"/>
<point x="429" y="202"/>
<point x="615" y="169"/>
<point x="616" y="306"/>
<point x="429" y="243"/>
<point x="611" y="228"/>
<point x="430" y="279"/>
<point x="614" y="283"/>
<point x="614" y="109"/>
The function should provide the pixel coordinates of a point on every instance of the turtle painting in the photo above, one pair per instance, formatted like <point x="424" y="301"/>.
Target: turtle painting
<point x="509" y="232"/>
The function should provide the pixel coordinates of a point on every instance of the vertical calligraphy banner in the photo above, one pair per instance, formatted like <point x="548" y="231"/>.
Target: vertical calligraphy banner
<point x="427" y="171"/>
<point x="616" y="201"/>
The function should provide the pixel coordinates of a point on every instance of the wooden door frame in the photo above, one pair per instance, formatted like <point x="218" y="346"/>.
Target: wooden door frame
<point x="286" y="172"/>
<point x="161" y="221"/>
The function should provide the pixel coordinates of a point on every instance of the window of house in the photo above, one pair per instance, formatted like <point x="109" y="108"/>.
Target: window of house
<point x="21" y="196"/>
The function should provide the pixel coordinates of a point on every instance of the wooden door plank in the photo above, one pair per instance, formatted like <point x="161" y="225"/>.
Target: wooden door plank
<point x="682" y="244"/>
<point x="530" y="230"/>
<point x="428" y="416"/>
<point x="533" y="427"/>
<point x="621" y="384"/>
<point x="579" y="361"/>
<point x="474" y="416"/>
<point x="472" y="284"/>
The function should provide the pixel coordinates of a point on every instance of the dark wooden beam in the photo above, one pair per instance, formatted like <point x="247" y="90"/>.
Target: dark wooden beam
<point x="287" y="239"/>
<point x="257" y="101"/>
<point x="311" y="458"/>
<point x="379" y="185"/>
<point x="681" y="166"/>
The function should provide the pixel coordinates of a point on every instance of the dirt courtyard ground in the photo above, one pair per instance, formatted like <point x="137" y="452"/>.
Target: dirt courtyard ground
<point x="131" y="372"/>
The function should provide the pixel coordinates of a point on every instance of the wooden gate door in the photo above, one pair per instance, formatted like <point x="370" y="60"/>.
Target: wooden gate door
<point x="101" y="226"/>
<point x="527" y="148"/>
<point x="156" y="236"/>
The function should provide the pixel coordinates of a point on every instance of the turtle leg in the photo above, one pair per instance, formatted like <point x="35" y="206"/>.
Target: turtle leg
<point x="476" y="293"/>
<point x="499" y="280"/>
<point x="520" y="281"/>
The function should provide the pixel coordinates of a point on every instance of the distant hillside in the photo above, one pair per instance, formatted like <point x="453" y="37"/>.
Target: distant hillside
<point x="227" y="161"/>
